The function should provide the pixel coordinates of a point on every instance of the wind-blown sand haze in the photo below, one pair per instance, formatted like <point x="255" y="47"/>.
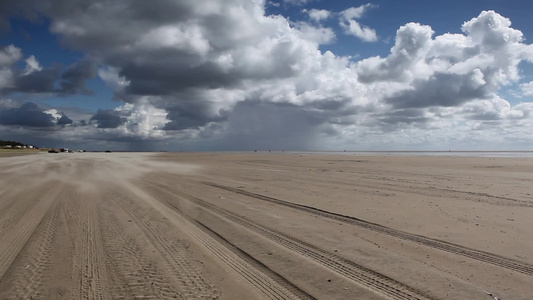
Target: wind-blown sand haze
<point x="265" y="226"/>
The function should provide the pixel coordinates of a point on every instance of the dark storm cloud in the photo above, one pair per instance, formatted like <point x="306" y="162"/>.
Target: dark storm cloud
<point x="29" y="114"/>
<point x="53" y="80"/>
<point x="163" y="47"/>
<point x="8" y="103"/>
<point x="167" y="71"/>
<point x="99" y="19"/>
<point x="190" y="114"/>
<point x="74" y="79"/>
<point x="441" y="90"/>
<point x="38" y="82"/>
<point x="64" y="120"/>
<point x="5" y="11"/>
<point x="160" y="77"/>
<point x="20" y="8"/>
<point x="108" y="118"/>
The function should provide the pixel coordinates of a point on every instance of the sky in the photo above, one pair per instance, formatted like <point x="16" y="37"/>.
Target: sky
<point x="240" y="75"/>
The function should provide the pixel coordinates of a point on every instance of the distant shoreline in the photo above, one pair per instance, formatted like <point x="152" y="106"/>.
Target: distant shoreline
<point x="447" y="153"/>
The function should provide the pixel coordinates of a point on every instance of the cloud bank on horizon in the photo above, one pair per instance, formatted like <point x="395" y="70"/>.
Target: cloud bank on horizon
<point x="229" y="76"/>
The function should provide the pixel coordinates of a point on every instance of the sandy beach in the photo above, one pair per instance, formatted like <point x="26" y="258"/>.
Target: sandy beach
<point x="265" y="226"/>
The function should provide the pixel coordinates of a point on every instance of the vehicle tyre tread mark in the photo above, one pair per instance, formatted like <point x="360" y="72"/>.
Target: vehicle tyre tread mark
<point x="133" y="274"/>
<point x="475" y="254"/>
<point x="192" y="285"/>
<point x="28" y="281"/>
<point x="367" y="278"/>
<point x="14" y="239"/>
<point x="256" y="278"/>
<point x="92" y="268"/>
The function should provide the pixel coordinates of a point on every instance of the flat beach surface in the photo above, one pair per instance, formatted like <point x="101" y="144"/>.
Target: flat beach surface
<point x="265" y="226"/>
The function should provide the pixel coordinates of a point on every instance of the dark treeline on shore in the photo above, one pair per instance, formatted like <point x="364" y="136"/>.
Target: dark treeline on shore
<point x="10" y="143"/>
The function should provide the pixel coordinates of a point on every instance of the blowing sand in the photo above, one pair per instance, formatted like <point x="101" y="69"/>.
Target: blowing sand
<point x="265" y="226"/>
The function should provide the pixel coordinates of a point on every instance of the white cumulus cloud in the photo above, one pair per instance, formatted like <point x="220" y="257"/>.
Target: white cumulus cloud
<point x="527" y="88"/>
<point x="348" y="21"/>
<point x="9" y="55"/>
<point x="356" y="12"/>
<point x="32" y="65"/>
<point x="450" y="69"/>
<point x="318" y="15"/>
<point x="296" y="2"/>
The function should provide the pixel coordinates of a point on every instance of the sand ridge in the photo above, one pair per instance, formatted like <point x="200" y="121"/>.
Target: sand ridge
<point x="264" y="226"/>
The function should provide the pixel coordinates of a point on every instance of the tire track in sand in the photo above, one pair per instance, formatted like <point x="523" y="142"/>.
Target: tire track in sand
<point x="256" y="263"/>
<point x="28" y="273"/>
<point x="16" y="236"/>
<point x="15" y="205"/>
<point x="92" y="271"/>
<point x="377" y="183"/>
<point x="367" y="278"/>
<point x="258" y="280"/>
<point x="471" y="253"/>
<point x="133" y="273"/>
<point x="191" y="284"/>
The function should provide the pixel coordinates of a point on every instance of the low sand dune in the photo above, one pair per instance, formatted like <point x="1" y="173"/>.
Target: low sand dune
<point x="265" y="226"/>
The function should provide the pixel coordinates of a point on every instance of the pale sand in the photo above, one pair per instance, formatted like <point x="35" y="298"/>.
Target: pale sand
<point x="265" y="226"/>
